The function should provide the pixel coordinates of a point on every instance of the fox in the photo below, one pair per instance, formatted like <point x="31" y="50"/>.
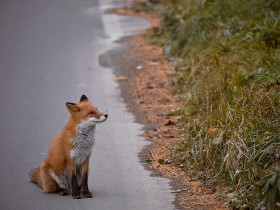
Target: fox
<point x="65" y="168"/>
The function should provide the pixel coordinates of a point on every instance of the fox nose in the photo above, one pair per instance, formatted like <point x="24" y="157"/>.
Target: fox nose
<point x="106" y="115"/>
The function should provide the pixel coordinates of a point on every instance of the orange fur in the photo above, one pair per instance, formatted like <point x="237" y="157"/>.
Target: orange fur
<point x="58" y="159"/>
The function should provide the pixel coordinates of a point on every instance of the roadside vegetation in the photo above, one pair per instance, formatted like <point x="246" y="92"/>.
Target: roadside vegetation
<point x="227" y="57"/>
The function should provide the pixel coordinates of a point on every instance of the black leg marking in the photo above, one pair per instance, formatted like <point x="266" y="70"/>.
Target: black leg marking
<point x="85" y="190"/>
<point x="62" y="191"/>
<point x="76" y="192"/>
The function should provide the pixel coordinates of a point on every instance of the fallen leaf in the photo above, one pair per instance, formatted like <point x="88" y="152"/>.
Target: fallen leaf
<point x="212" y="130"/>
<point x="121" y="78"/>
<point x="164" y="161"/>
<point x="149" y="161"/>
<point x="161" y="161"/>
<point x="139" y="67"/>
<point x="170" y="123"/>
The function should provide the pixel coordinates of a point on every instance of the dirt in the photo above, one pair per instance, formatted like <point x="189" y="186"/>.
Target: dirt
<point x="146" y="85"/>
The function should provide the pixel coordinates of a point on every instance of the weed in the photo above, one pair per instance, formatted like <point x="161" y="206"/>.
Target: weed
<point x="229" y="73"/>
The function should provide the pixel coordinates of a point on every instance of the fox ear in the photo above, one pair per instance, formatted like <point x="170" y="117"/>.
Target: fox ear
<point x="83" y="98"/>
<point x="72" y="107"/>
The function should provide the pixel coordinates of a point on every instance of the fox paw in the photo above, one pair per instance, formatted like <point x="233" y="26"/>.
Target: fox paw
<point x="62" y="192"/>
<point x="76" y="196"/>
<point x="87" y="194"/>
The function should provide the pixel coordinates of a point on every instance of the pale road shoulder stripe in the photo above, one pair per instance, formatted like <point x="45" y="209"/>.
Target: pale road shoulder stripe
<point x="113" y="30"/>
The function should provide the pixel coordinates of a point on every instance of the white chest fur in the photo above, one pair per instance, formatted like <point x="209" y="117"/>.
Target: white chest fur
<point x="83" y="143"/>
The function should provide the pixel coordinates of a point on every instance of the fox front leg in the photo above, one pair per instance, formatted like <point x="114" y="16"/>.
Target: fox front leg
<point x="76" y="190"/>
<point x="85" y="190"/>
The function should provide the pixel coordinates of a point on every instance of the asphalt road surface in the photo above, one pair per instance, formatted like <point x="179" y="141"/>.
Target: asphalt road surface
<point x="49" y="55"/>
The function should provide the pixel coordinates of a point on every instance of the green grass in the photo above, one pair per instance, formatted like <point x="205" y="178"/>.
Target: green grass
<point x="228" y="73"/>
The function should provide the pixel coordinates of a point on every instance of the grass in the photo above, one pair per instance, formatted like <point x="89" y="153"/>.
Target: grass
<point x="228" y="73"/>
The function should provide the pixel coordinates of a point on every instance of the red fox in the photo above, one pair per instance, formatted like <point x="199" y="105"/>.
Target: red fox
<point x="65" y="168"/>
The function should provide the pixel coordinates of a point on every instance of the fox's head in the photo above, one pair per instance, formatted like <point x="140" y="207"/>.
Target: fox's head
<point x="84" y="113"/>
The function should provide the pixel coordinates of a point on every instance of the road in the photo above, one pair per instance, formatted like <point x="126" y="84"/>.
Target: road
<point x="49" y="55"/>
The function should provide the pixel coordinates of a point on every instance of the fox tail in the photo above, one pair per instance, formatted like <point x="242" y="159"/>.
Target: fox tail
<point x="34" y="176"/>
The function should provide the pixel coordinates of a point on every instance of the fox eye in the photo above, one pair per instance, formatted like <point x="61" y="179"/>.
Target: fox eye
<point x="92" y="112"/>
